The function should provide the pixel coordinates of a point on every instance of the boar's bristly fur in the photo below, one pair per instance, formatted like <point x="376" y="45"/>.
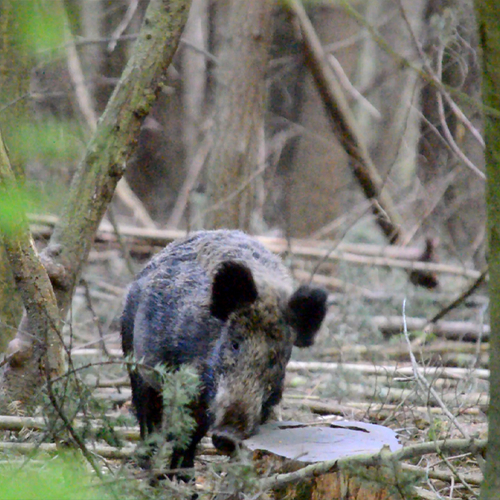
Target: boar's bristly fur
<point x="221" y="302"/>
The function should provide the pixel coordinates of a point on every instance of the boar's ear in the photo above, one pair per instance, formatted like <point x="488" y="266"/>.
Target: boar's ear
<point x="233" y="287"/>
<point x="305" y="313"/>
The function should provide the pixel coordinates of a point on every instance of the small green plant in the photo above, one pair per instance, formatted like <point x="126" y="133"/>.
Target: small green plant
<point x="438" y="429"/>
<point x="180" y="388"/>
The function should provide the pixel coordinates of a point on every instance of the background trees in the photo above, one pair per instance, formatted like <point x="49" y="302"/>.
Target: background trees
<point x="376" y="55"/>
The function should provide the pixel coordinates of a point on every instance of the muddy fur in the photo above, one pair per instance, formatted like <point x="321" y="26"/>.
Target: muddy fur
<point x="220" y="301"/>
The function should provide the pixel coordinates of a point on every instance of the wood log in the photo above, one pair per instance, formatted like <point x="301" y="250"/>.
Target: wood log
<point x="400" y="352"/>
<point x="451" y="330"/>
<point x="332" y="485"/>
<point x="285" y="452"/>
<point x="389" y="370"/>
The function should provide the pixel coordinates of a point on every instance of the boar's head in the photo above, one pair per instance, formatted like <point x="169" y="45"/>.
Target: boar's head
<point x="261" y="324"/>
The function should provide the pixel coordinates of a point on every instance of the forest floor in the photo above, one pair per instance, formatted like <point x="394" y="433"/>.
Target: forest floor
<point x="359" y="368"/>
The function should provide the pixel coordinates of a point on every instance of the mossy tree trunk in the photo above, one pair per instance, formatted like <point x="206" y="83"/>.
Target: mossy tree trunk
<point x="92" y="188"/>
<point x="489" y="31"/>
<point x="240" y="100"/>
<point x="14" y="84"/>
<point x="35" y="349"/>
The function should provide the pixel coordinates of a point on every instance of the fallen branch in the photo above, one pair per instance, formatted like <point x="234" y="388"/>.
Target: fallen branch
<point x="450" y="330"/>
<point x="380" y="411"/>
<point x="8" y="423"/>
<point x="369" y="369"/>
<point x="389" y="370"/>
<point x="366" y="255"/>
<point x="443" y="475"/>
<point x="448" y="348"/>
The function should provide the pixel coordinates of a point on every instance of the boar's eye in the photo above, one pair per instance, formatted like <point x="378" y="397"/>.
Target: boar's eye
<point x="235" y="346"/>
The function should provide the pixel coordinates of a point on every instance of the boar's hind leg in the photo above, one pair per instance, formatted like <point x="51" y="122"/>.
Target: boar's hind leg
<point x="148" y="405"/>
<point x="148" y="408"/>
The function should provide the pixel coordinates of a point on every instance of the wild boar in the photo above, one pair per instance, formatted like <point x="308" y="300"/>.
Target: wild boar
<point x="221" y="302"/>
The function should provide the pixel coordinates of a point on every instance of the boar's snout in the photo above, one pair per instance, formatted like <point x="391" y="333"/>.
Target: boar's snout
<point x="226" y="441"/>
<point x="236" y="418"/>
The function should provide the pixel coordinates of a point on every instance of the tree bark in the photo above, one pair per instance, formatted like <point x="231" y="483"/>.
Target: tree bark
<point x="14" y="84"/>
<point x="98" y="173"/>
<point x="489" y="30"/>
<point x="239" y="115"/>
<point x="39" y="331"/>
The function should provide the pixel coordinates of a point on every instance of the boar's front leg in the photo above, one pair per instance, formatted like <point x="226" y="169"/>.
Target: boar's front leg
<point x="184" y="457"/>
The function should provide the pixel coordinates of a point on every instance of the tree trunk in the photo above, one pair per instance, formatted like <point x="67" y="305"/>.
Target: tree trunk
<point x="37" y="339"/>
<point x="94" y="184"/>
<point x="344" y="484"/>
<point x="14" y="83"/>
<point x="240" y="101"/>
<point x="489" y="30"/>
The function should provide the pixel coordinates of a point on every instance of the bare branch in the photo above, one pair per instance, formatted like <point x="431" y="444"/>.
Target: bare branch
<point x="115" y="36"/>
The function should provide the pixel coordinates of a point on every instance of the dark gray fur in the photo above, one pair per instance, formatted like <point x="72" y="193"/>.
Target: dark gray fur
<point x="220" y="301"/>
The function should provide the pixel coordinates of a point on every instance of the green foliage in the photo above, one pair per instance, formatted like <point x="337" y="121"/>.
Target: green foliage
<point x="76" y="401"/>
<point x="41" y="24"/>
<point x="180" y="388"/>
<point x="51" y="141"/>
<point x="34" y="30"/>
<point x="106" y="432"/>
<point x="52" y="145"/>
<point x="438" y="429"/>
<point x="27" y="199"/>
<point x="62" y="478"/>
<point x="241" y="475"/>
